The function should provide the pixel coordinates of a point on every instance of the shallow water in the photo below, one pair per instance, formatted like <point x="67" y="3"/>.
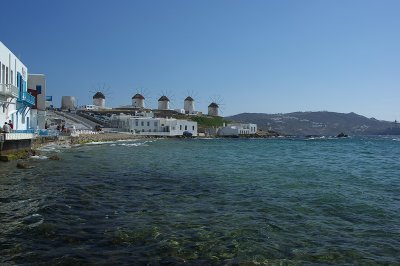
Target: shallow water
<point x="198" y="201"/>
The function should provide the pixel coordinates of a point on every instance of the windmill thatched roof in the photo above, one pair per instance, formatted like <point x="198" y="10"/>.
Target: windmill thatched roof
<point x="189" y="99"/>
<point x="99" y="95"/>
<point x="213" y="105"/>
<point x="138" y="96"/>
<point x="163" y="98"/>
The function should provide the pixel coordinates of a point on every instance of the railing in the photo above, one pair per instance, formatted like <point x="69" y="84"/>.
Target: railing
<point x="27" y="98"/>
<point x="24" y="131"/>
<point x="18" y="136"/>
<point x="9" y="90"/>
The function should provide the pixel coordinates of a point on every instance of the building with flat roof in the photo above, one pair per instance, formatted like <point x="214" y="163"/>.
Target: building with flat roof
<point x="37" y="87"/>
<point x="152" y="126"/>
<point x="15" y="100"/>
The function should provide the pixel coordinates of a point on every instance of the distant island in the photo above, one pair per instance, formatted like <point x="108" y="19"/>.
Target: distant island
<point x="319" y="123"/>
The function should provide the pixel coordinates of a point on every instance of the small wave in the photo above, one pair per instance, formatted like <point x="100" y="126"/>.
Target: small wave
<point x="396" y="139"/>
<point x="99" y="142"/>
<point x="39" y="157"/>
<point x="132" y="144"/>
<point x="53" y="147"/>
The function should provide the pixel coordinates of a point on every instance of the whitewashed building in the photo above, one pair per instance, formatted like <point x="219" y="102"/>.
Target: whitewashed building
<point x="15" y="101"/>
<point x="151" y="126"/>
<point x="237" y="129"/>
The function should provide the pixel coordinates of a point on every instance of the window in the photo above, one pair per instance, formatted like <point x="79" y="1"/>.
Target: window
<point x="39" y="89"/>
<point x="185" y="127"/>
<point x="142" y="123"/>
<point x="3" y="73"/>
<point x="155" y="124"/>
<point x="137" y="123"/>
<point x="192" y="127"/>
<point x="12" y="77"/>
<point x="180" y="127"/>
<point x="148" y="123"/>
<point x="6" y="75"/>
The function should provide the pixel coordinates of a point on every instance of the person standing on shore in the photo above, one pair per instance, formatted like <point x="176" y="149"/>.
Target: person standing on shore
<point x="6" y="128"/>
<point x="11" y="125"/>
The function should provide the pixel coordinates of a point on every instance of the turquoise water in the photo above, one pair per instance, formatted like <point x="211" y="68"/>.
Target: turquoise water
<point x="217" y="201"/>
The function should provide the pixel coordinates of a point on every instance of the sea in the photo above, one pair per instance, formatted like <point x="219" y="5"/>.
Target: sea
<point x="282" y="201"/>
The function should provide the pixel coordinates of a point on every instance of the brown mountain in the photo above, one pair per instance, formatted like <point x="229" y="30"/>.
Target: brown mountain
<point x="318" y="123"/>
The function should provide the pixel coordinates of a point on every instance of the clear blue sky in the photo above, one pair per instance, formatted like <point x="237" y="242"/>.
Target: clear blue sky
<point x="253" y="56"/>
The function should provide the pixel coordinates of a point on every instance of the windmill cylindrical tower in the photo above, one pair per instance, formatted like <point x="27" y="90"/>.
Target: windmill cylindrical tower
<point x="99" y="99"/>
<point x="68" y="102"/>
<point x="213" y="109"/>
<point x="163" y="103"/>
<point x="188" y="105"/>
<point x="138" y="101"/>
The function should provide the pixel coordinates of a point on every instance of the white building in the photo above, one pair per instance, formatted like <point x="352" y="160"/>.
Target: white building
<point x="151" y="126"/>
<point x="68" y="102"/>
<point x="15" y="101"/>
<point x="237" y="129"/>
<point x="37" y="87"/>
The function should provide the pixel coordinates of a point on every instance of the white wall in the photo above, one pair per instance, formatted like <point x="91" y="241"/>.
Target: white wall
<point x="38" y="115"/>
<point x="10" y="108"/>
<point x="170" y="127"/>
<point x="35" y="80"/>
<point x="228" y="131"/>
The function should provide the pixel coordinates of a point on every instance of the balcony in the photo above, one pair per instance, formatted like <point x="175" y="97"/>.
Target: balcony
<point x="8" y="90"/>
<point x="27" y="99"/>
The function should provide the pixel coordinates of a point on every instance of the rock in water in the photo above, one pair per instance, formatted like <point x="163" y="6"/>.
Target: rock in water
<point x="22" y="165"/>
<point x="54" y="157"/>
<point x="342" y="135"/>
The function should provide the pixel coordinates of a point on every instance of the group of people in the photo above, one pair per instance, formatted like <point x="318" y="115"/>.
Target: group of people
<point x="8" y="127"/>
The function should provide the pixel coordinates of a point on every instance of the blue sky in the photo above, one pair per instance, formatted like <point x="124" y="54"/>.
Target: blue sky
<point x="251" y="56"/>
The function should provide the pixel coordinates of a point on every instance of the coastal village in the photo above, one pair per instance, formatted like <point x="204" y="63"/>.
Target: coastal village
<point x="28" y="115"/>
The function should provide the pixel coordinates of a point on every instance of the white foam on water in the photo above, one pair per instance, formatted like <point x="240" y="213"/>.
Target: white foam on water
<point x="99" y="142"/>
<point x="53" y="147"/>
<point x="127" y="140"/>
<point x="39" y="157"/>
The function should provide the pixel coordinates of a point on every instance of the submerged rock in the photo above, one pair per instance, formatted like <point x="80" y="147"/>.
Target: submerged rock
<point x="54" y="157"/>
<point x="23" y="165"/>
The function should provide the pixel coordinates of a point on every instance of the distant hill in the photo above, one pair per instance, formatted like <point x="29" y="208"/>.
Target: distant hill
<point x="319" y="123"/>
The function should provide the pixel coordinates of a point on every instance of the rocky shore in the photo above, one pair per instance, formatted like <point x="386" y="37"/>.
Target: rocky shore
<point x="86" y="138"/>
<point x="37" y="143"/>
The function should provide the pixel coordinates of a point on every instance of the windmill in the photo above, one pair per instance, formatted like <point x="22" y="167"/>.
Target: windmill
<point x="189" y="102"/>
<point x="216" y="106"/>
<point x="164" y="101"/>
<point x="99" y="95"/>
<point x="138" y="99"/>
